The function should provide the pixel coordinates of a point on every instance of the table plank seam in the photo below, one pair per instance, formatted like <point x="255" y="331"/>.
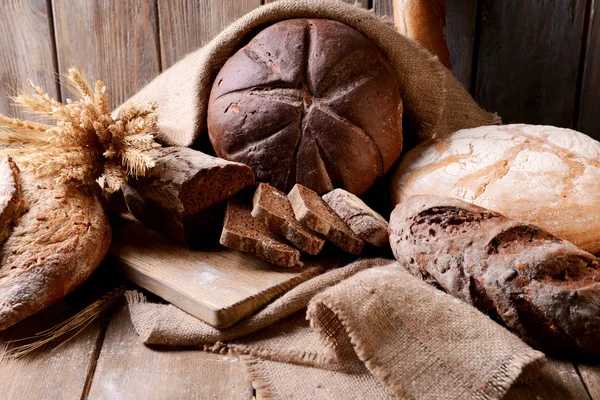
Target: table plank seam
<point x="95" y="356"/>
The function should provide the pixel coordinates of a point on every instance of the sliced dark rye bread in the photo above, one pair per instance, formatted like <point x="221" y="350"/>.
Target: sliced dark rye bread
<point x="366" y="223"/>
<point x="12" y="204"/>
<point x="272" y="208"/>
<point x="544" y="289"/>
<point x="314" y="213"/>
<point x="241" y="231"/>
<point x="183" y="196"/>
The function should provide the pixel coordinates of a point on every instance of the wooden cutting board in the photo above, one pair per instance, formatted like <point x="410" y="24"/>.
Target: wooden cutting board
<point x="220" y="286"/>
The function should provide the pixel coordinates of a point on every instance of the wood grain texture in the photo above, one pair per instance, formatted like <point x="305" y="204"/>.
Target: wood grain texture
<point x="127" y="369"/>
<point x="589" y="116"/>
<point x="558" y="380"/>
<point x="590" y="375"/>
<point x="219" y="286"/>
<point x="529" y="59"/>
<point x="26" y="50"/>
<point x="461" y="20"/>
<point x="363" y="3"/>
<point x="111" y="40"/>
<point x="384" y="7"/>
<point x="186" y="25"/>
<point x="49" y="373"/>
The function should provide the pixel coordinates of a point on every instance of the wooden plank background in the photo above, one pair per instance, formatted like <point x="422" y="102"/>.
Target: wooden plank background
<point x="531" y="61"/>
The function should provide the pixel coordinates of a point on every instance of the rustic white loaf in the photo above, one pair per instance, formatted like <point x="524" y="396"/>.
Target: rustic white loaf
<point x="57" y="243"/>
<point x="544" y="175"/>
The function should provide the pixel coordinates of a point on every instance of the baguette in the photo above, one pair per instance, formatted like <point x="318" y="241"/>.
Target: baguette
<point x="424" y="22"/>
<point x="544" y="289"/>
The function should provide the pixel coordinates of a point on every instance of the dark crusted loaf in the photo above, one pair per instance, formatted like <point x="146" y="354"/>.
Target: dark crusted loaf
<point x="309" y="101"/>
<point x="183" y="196"/>
<point x="546" y="290"/>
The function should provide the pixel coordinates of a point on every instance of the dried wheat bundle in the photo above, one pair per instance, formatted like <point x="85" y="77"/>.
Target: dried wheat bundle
<point x="86" y="144"/>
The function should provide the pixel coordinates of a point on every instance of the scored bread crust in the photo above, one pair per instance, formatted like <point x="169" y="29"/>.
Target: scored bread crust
<point x="543" y="175"/>
<point x="57" y="244"/>
<point x="543" y="288"/>
<point x="309" y="101"/>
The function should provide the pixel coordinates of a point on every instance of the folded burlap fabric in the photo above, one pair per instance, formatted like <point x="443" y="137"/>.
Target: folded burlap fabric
<point x="434" y="101"/>
<point x="375" y="332"/>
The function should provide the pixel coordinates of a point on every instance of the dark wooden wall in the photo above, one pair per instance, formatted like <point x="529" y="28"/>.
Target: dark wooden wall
<point x="531" y="61"/>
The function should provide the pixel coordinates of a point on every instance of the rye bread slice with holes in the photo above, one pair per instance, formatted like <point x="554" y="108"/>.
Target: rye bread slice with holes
<point x="272" y="208"/>
<point x="241" y="231"/>
<point x="542" y="288"/>
<point x="362" y="219"/>
<point x="11" y="198"/>
<point x="314" y="213"/>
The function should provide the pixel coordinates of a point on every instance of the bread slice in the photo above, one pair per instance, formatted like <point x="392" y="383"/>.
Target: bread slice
<point x="272" y="208"/>
<point x="312" y="211"/>
<point x="57" y="243"/>
<point x="183" y="196"/>
<point x="243" y="232"/>
<point x="11" y="198"/>
<point x="366" y="223"/>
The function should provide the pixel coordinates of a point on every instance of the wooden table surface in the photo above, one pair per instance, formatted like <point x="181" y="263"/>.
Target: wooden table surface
<point x="534" y="62"/>
<point x="108" y="361"/>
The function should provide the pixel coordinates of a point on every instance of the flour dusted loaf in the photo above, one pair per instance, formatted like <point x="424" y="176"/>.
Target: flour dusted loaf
<point x="311" y="102"/>
<point x="544" y="289"/>
<point x="11" y="198"/>
<point x="57" y="243"/>
<point x="180" y="197"/>
<point x="539" y="174"/>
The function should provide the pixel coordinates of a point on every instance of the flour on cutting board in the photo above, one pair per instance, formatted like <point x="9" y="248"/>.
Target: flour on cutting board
<point x="208" y="273"/>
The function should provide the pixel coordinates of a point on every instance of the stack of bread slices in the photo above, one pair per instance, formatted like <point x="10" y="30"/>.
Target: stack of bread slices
<point x="278" y="227"/>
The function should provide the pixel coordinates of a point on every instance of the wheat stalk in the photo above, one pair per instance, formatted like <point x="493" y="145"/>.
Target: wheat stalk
<point x="70" y="327"/>
<point x="86" y="144"/>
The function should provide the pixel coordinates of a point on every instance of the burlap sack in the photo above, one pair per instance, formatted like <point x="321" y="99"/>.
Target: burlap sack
<point x="434" y="101"/>
<point x="378" y="333"/>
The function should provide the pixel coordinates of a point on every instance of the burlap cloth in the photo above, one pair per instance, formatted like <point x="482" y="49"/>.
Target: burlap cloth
<point x="435" y="103"/>
<point x="373" y="331"/>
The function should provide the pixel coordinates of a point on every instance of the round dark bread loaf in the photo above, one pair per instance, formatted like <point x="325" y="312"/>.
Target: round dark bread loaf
<point x="544" y="289"/>
<point x="311" y="102"/>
